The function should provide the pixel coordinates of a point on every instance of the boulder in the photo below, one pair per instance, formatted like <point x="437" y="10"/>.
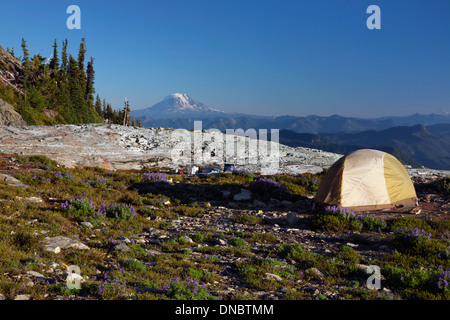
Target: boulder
<point x="9" y="116"/>
<point x="292" y="218"/>
<point x="122" y="247"/>
<point x="55" y="244"/>
<point x="272" y="276"/>
<point x="243" y="196"/>
<point x="259" y="203"/>
<point x="314" y="273"/>
<point x="10" y="181"/>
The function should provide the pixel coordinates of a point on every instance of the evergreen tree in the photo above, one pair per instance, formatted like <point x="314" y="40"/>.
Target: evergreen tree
<point x="110" y="113"/>
<point x="81" y="54"/>
<point x="26" y="55"/>
<point x="62" y="81"/>
<point x="54" y="62"/>
<point x="89" y="94"/>
<point x="98" y="106"/>
<point x="76" y="92"/>
<point x="11" y="51"/>
<point x="81" y="69"/>
<point x="26" y="66"/>
<point x="64" y="59"/>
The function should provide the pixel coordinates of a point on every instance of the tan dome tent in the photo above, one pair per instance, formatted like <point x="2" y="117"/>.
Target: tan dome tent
<point x="367" y="180"/>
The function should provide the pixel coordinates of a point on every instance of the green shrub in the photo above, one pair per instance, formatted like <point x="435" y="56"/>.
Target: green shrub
<point x="246" y="219"/>
<point x="409" y="223"/>
<point x="237" y="242"/>
<point x="373" y="224"/>
<point x="80" y="208"/>
<point x="335" y="219"/>
<point x="187" y="289"/>
<point x="442" y="185"/>
<point x="265" y="237"/>
<point x="134" y="265"/>
<point x="298" y="253"/>
<point x="267" y="187"/>
<point x="417" y="242"/>
<point x="25" y="241"/>
<point x="401" y="279"/>
<point x="198" y="237"/>
<point x="348" y="255"/>
<point x="188" y="210"/>
<point x="289" y="250"/>
<point x="118" y="211"/>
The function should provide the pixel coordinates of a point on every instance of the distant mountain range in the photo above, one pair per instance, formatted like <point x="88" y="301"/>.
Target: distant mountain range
<point x="414" y="145"/>
<point x="180" y="111"/>
<point x="416" y="139"/>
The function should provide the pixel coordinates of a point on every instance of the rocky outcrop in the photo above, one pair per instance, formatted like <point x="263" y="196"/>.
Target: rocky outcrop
<point x="8" y="62"/>
<point x="9" y="117"/>
<point x="11" y="70"/>
<point x="117" y="147"/>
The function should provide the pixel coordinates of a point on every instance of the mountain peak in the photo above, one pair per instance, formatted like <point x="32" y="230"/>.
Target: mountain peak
<point x="178" y="105"/>
<point x="180" y="96"/>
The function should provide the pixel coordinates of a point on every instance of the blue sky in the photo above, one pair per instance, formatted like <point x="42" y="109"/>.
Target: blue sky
<point x="271" y="57"/>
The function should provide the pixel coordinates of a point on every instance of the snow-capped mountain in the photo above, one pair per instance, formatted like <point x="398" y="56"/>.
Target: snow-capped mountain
<point x="178" y="105"/>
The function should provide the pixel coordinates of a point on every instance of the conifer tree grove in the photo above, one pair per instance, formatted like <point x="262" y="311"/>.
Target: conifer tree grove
<point x="61" y="89"/>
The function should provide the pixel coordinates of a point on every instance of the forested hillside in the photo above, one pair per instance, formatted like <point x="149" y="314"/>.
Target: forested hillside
<point x="55" y="90"/>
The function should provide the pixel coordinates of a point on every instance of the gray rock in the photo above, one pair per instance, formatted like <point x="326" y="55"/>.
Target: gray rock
<point x="9" y="116"/>
<point x="243" y="196"/>
<point x="226" y="193"/>
<point x="55" y="244"/>
<point x="274" y="202"/>
<point x="286" y="203"/>
<point x="122" y="247"/>
<point x="124" y="239"/>
<point x="364" y="268"/>
<point x="187" y="239"/>
<point x="36" y="275"/>
<point x="258" y="203"/>
<point x="87" y="224"/>
<point x="292" y="218"/>
<point x="164" y="201"/>
<point x="272" y="276"/>
<point x="29" y="199"/>
<point x="10" y="181"/>
<point x="153" y="252"/>
<point x="22" y="297"/>
<point x="314" y="272"/>
<point x="153" y="232"/>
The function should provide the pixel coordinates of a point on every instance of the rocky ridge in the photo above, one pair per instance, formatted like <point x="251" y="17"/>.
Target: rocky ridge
<point x="117" y="147"/>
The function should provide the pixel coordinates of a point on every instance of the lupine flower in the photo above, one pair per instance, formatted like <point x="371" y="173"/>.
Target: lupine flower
<point x="156" y="177"/>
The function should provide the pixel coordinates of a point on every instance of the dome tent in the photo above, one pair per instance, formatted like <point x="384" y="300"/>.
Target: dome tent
<point x="367" y="179"/>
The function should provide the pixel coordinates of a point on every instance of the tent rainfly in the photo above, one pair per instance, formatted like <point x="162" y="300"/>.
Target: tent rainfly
<point x="367" y="179"/>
